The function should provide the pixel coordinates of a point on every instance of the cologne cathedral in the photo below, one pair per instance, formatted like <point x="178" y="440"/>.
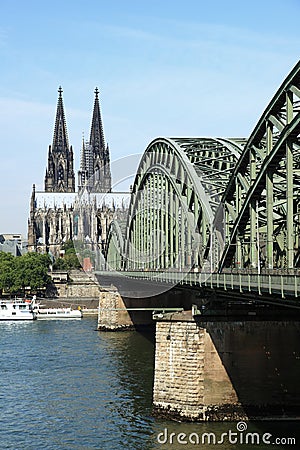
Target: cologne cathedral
<point x="59" y="213"/>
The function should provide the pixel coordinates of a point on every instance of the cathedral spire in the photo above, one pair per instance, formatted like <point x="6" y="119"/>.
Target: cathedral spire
<point x="94" y="174"/>
<point x="97" y="140"/>
<point x="60" y="135"/>
<point x="59" y="173"/>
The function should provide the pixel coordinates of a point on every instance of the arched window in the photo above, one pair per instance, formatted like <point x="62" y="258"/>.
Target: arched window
<point x="60" y="173"/>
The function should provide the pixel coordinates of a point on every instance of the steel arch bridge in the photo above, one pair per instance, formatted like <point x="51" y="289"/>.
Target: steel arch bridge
<point x="215" y="203"/>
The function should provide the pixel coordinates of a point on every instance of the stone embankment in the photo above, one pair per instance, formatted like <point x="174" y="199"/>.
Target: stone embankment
<point x="73" y="289"/>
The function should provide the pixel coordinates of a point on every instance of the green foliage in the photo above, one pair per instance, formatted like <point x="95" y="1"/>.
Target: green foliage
<point x="68" y="247"/>
<point x="73" y="259"/>
<point x="30" y="269"/>
<point x="69" y="260"/>
<point x="6" y="271"/>
<point x="60" y="264"/>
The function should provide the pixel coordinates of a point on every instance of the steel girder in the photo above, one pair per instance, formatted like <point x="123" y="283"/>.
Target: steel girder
<point x="261" y="201"/>
<point x="175" y="197"/>
<point x="114" y="246"/>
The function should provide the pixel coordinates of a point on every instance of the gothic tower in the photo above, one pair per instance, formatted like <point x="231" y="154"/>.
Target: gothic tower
<point x="94" y="174"/>
<point x="32" y="238"/>
<point x="60" y="173"/>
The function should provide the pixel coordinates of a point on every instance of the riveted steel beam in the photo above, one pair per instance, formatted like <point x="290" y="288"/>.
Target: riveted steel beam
<point x="269" y="164"/>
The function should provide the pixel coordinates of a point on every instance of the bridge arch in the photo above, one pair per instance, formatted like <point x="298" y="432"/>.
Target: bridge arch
<point x="175" y="196"/>
<point x="261" y="201"/>
<point x="115" y="246"/>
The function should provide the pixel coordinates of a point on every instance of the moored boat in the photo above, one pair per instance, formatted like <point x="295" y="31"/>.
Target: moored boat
<point x="57" y="313"/>
<point x="17" y="309"/>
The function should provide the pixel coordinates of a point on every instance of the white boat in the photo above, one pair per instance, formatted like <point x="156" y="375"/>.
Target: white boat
<point x="57" y="313"/>
<point x="17" y="309"/>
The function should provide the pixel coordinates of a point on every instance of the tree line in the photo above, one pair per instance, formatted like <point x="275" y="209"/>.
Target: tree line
<point x="32" y="269"/>
<point x="20" y="272"/>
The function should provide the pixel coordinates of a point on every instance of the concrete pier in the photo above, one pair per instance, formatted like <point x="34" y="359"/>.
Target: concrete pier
<point x="226" y="370"/>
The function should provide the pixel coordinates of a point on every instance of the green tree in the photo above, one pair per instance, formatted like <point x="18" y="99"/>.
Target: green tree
<point x="72" y="261"/>
<point x="31" y="270"/>
<point x="68" y="247"/>
<point x="69" y="260"/>
<point x="6" y="271"/>
<point x="60" y="264"/>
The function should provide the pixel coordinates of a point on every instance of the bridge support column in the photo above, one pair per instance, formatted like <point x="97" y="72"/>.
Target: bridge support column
<point x="112" y="314"/>
<point x="216" y="370"/>
<point x="121" y="313"/>
<point x="190" y="381"/>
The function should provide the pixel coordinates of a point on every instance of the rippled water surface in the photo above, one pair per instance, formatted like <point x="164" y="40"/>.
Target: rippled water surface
<point x="66" y="386"/>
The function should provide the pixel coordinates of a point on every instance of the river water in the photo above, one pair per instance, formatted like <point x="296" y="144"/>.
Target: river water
<point x="66" y="386"/>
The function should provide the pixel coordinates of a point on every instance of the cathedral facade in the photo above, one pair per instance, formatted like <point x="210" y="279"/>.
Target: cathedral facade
<point x="59" y="212"/>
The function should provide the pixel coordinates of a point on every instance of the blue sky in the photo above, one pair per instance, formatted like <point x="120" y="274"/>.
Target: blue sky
<point x="164" y="68"/>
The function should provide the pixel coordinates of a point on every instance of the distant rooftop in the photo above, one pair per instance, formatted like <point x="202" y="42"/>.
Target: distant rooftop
<point x="61" y="199"/>
<point x="10" y="237"/>
<point x="13" y="243"/>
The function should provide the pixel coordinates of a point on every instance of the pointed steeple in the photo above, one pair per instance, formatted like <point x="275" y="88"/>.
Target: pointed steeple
<point x="99" y="151"/>
<point x="32" y="223"/>
<point x="82" y="156"/>
<point x="60" y="135"/>
<point x="83" y="172"/>
<point x="94" y="174"/>
<point x="97" y="140"/>
<point x="60" y="174"/>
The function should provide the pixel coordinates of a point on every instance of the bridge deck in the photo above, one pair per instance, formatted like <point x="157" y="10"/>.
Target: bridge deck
<point x="279" y="287"/>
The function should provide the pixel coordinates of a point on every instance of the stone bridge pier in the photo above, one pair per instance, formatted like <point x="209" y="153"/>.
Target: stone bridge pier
<point x="214" y="365"/>
<point x="216" y="370"/>
<point x="119" y="312"/>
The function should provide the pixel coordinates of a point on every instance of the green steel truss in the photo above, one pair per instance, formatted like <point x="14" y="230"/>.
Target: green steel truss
<point x="114" y="248"/>
<point x="225" y="203"/>
<point x="176" y="194"/>
<point x="261" y="202"/>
